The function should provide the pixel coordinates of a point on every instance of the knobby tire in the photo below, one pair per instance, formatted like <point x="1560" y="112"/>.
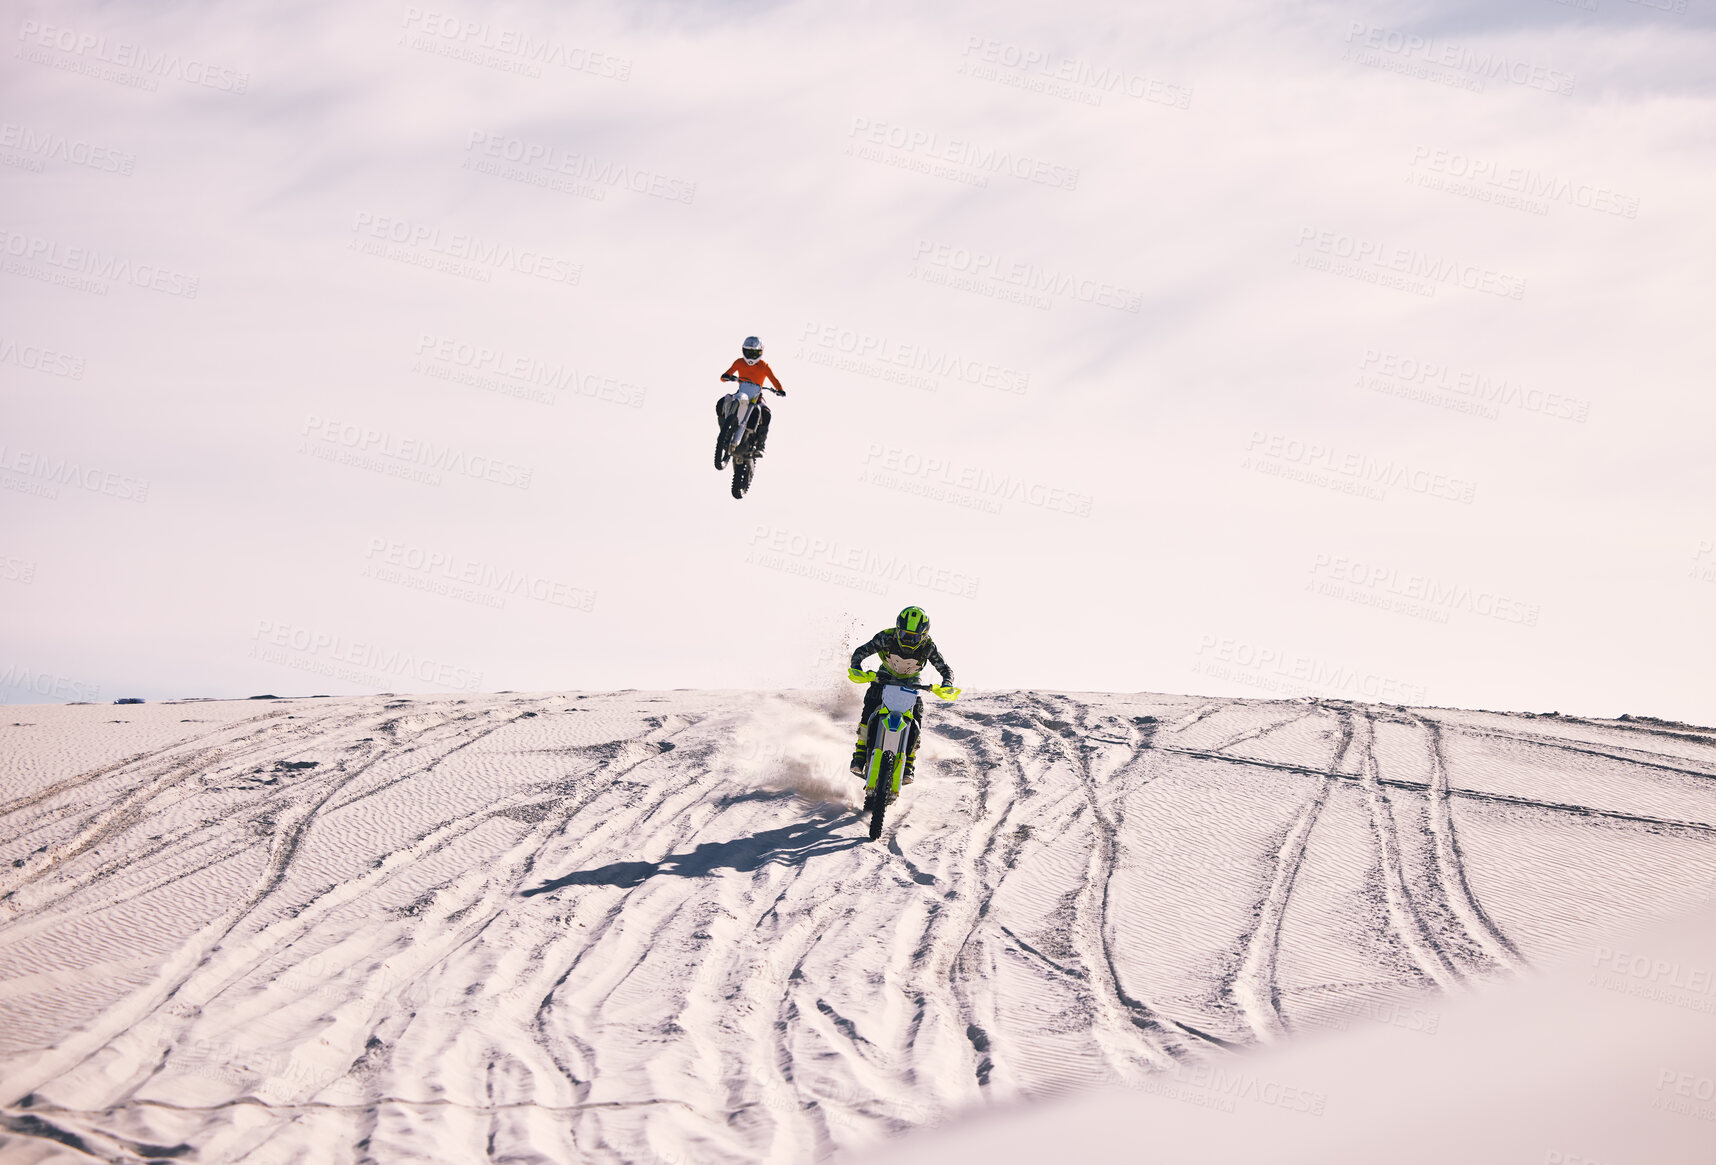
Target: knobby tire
<point x="879" y="797"/>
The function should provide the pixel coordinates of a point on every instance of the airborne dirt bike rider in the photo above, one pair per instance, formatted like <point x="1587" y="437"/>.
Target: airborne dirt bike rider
<point x="751" y="370"/>
<point x="743" y="416"/>
<point x="904" y="649"/>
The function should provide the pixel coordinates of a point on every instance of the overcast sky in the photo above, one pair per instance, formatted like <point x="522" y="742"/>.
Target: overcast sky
<point x="1337" y="349"/>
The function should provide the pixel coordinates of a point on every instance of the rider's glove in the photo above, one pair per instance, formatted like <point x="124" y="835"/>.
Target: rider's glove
<point x="859" y="676"/>
<point x="945" y="692"/>
<point x="780" y="392"/>
<point x="728" y="376"/>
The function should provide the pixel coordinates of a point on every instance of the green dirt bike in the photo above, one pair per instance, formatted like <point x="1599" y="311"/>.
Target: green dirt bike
<point x="890" y="738"/>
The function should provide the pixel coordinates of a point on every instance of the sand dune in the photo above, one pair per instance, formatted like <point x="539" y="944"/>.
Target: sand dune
<point x="648" y="926"/>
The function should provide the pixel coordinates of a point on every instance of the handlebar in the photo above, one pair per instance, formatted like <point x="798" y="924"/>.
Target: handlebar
<point x="763" y="387"/>
<point x="869" y="677"/>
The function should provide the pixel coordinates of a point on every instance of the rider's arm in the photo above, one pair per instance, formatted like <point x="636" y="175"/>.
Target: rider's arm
<point x="769" y="373"/>
<point x="732" y="371"/>
<point x="935" y="660"/>
<point x="867" y="649"/>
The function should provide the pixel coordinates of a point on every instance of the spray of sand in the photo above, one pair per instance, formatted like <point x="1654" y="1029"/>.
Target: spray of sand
<point x="801" y="743"/>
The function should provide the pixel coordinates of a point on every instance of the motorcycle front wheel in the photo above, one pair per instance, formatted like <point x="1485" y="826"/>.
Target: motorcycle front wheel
<point x="877" y="802"/>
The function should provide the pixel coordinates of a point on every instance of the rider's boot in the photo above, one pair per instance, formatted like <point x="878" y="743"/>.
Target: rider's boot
<point x="858" y="760"/>
<point x="911" y="760"/>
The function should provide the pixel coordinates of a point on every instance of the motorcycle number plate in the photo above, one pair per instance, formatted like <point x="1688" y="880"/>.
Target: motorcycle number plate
<point x="898" y="699"/>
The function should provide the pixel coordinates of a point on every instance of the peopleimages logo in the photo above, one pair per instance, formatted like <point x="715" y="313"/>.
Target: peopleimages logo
<point x="1398" y="374"/>
<point x="936" y="147"/>
<point x="1660" y="980"/>
<point x="460" y="252"/>
<point x="52" y="261"/>
<point x="42" y="473"/>
<point x="1437" y="53"/>
<point x="497" y="370"/>
<point x="1701" y="570"/>
<point x="1338" y="576"/>
<point x="1685" y="1093"/>
<point x="1217" y="1081"/>
<point x="1293" y="673"/>
<point x="18" y="570"/>
<point x="1350" y="470"/>
<point x="946" y="479"/>
<point x="1373" y="261"/>
<point x="888" y="358"/>
<point x="405" y="564"/>
<point x="92" y="50"/>
<point x="545" y="161"/>
<point x="833" y="561"/>
<point x="38" y="146"/>
<point x="377" y="448"/>
<point x="1072" y="78"/>
<point x="39" y="359"/>
<point x="54" y="687"/>
<point x="986" y="271"/>
<point x="336" y="656"/>
<point x="526" y="49"/>
<point x="1482" y="174"/>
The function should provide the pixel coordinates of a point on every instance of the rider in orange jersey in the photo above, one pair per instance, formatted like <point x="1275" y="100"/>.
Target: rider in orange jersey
<point x="751" y="369"/>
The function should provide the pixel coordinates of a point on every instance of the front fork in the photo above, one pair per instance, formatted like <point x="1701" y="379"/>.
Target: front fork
<point x="873" y="769"/>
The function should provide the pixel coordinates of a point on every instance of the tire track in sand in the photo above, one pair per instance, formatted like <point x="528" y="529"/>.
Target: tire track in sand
<point x="1264" y="729"/>
<point x="926" y="967"/>
<point x="193" y="974"/>
<point x="164" y="790"/>
<point x="1253" y="988"/>
<point x="1451" y="866"/>
<point x="68" y="784"/>
<point x="1404" y="917"/>
<point x="1135" y="1037"/>
<point x="457" y="915"/>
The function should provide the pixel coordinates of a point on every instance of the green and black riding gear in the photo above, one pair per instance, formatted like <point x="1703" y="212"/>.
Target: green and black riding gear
<point x="901" y="665"/>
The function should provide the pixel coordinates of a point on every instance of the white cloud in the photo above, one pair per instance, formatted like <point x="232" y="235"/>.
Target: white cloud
<point x="340" y="210"/>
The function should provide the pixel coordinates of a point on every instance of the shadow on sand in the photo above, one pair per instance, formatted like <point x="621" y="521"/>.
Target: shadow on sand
<point x="790" y="845"/>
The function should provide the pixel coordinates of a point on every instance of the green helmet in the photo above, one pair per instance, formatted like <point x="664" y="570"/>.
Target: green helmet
<point x="913" y="626"/>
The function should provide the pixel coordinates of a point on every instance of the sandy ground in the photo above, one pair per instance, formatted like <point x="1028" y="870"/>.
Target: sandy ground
<point x="648" y="926"/>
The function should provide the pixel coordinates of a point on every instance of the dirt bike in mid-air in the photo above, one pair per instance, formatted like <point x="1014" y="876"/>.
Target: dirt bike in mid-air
<point x="891" y="737"/>
<point x="737" y="438"/>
